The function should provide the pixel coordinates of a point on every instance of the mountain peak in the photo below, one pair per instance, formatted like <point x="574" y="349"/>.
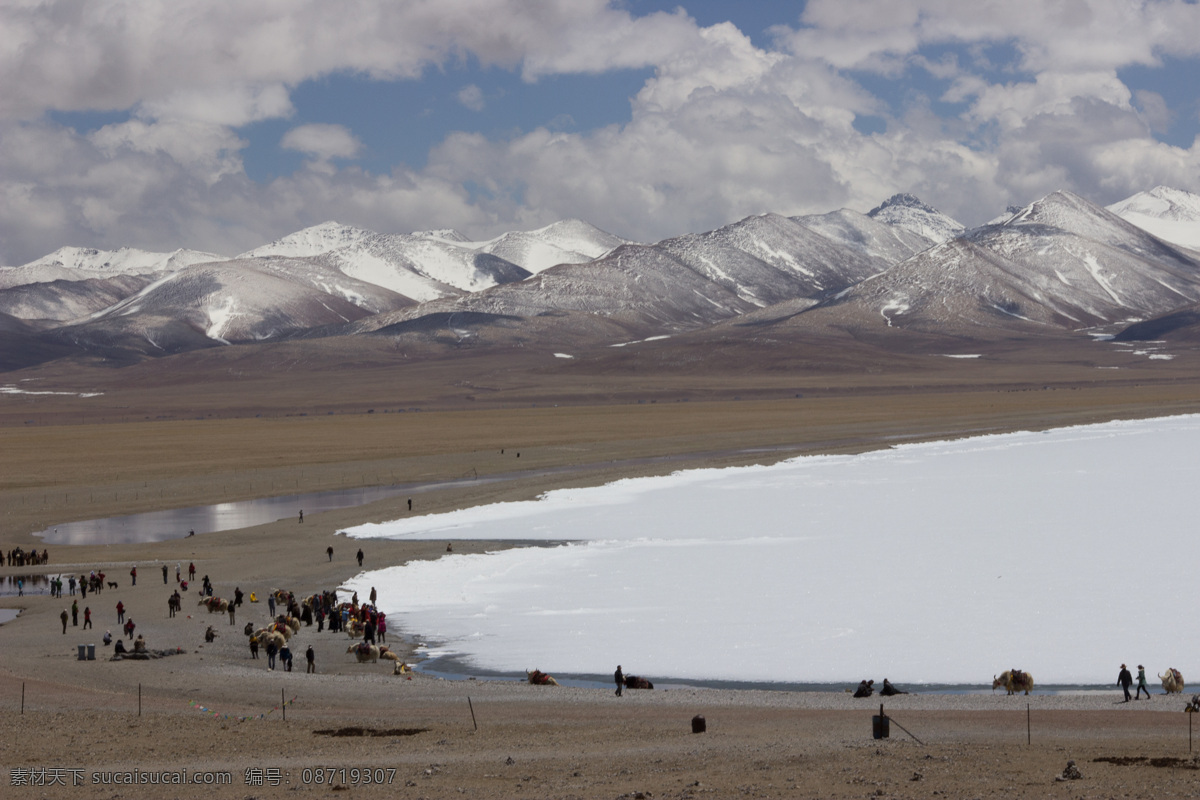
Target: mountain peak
<point x="123" y="260"/>
<point x="312" y="241"/>
<point x="902" y="200"/>
<point x="914" y="215"/>
<point x="444" y="234"/>
<point x="1172" y="215"/>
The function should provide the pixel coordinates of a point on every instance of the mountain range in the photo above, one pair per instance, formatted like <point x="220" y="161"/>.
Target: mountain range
<point x="901" y="274"/>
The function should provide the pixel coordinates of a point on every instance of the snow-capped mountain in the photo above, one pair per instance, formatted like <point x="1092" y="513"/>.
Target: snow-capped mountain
<point x="240" y="300"/>
<point x="312" y="241"/>
<point x="907" y="212"/>
<point x="1056" y="266"/>
<point x="1172" y="215"/>
<point x="1059" y="264"/>
<point x="642" y="289"/>
<point x="421" y="268"/>
<point x="879" y="241"/>
<point x="85" y="263"/>
<point x="691" y="281"/>
<point x="428" y="265"/>
<point x="569" y="241"/>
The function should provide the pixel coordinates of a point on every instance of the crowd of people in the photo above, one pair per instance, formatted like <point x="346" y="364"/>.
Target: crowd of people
<point x="17" y="557"/>
<point x="324" y="609"/>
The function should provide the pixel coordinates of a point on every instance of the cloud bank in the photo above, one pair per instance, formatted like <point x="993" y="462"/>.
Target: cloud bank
<point x="971" y="107"/>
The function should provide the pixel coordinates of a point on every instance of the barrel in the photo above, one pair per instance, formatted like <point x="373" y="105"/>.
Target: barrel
<point x="91" y="652"/>
<point x="83" y="652"/>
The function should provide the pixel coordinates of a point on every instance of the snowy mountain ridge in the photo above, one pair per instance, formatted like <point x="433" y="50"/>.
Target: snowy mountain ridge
<point x="1060" y="263"/>
<point x="84" y="263"/>
<point x="1172" y="215"/>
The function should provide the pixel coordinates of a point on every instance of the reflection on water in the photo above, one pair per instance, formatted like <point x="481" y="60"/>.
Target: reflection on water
<point x="158" y="526"/>
<point x="32" y="584"/>
<point x="8" y="614"/>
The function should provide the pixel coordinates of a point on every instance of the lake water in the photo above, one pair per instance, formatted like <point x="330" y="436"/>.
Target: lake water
<point x="33" y="584"/>
<point x="158" y="526"/>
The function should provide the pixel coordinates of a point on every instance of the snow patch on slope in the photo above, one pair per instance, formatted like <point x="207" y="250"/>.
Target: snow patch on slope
<point x="1172" y="215"/>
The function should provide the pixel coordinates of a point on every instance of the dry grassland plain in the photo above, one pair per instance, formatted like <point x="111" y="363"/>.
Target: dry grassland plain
<point x="144" y="446"/>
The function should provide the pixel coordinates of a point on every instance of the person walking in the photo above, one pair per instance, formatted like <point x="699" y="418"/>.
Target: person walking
<point x="129" y="626"/>
<point x="71" y="585"/>
<point x="253" y="647"/>
<point x="1125" y="680"/>
<point x="271" y="603"/>
<point x="329" y="552"/>
<point x="272" y="650"/>
<point x="63" y="616"/>
<point x="1142" y="683"/>
<point x="285" y="656"/>
<point x="191" y="571"/>
<point x="178" y="576"/>
<point x="232" y="608"/>
<point x="164" y="574"/>
<point x="360" y="556"/>
<point x="373" y="595"/>
<point x="619" y="677"/>
<point x="381" y="628"/>
<point x="302" y="515"/>
<point x="75" y="614"/>
<point x="311" y="657"/>
<point x="120" y="612"/>
<point x="133" y="574"/>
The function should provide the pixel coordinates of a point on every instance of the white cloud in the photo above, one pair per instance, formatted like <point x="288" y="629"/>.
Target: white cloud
<point x="204" y="149"/>
<point x="471" y="97"/>
<point x="1068" y="35"/>
<point x="723" y="128"/>
<point x="183" y="55"/>
<point x="119" y="190"/>
<point x="322" y="141"/>
<point x="236" y="105"/>
<point x="1013" y="104"/>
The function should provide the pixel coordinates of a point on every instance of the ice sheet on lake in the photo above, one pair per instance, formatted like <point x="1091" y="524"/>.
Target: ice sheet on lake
<point x="1064" y="553"/>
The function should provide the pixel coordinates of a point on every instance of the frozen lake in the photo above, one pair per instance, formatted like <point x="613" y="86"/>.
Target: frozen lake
<point x="942" y="563"/>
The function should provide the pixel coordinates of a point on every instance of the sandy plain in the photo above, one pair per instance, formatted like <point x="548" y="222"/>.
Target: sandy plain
<point x="82" y="725"/>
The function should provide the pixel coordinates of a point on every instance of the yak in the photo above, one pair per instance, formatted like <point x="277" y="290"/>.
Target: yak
<point x="1014" y="681"/>
<point x="1172" y="681"/>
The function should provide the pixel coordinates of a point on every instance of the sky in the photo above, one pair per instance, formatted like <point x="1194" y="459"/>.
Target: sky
<point x="941" y="563"/>
<point x="219" y="125"/>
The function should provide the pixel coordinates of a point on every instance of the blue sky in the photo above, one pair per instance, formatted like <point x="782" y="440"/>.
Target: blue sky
<point x="220" y="126"/>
